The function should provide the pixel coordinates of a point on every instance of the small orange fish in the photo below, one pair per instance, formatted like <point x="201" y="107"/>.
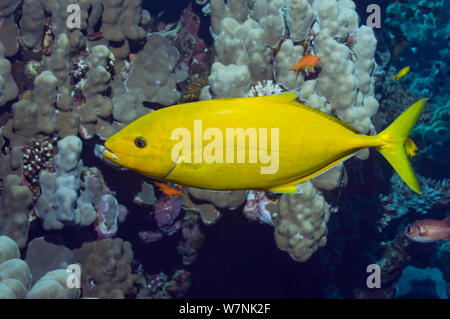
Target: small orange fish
<point x="131" y="57"/>
<point x="429" y="230"/>
<point x="308" y="61"/>
<point x="170" y="191"/>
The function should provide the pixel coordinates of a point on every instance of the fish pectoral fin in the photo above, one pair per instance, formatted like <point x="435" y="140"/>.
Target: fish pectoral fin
<point x="289" y="188"/>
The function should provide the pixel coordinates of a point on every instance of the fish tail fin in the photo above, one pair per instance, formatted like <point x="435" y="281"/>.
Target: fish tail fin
<point x="394" y="141"/>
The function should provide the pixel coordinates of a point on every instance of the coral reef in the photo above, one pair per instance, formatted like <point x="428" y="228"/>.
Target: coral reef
<point x="77" y="195"/>
<point x="120" y="24"/>
<point x="192" y="238"/>
<point x="15" y="275"/>
<point x="392" y="262"/>
<point x="36" y="115"/>
<point x="53" y="285"/>
<point x="167" y="210"/>
<point x="401" y="200"/>
<point x="105" y="268"/>
<point x="146" y="196"/>
<point x="8" y="88"/>
<point x="60" y="83"/>
<point x="9" y="32"/>
<point x="43" y="256"/>
<point x="300" y="224"/>
<point x="159" y="286"/>
<point x="152" y="77"/>
<point x="412" y="277"/>
<point x="37" y="156"/>
<point x="16" y="278"/>
<point x="97" y="107"/>
<point x="260" y="207"/>
<point x="443" y="256"/>
<point x="61" y="202"/>
<point x="15" y="205"/>
<point x="208" y="203"/>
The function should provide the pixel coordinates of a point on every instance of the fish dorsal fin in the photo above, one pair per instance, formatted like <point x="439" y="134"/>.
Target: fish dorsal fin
<point x="289" y="98"/>
<point x="285" y="97"/>
<point x="326" y="115"/>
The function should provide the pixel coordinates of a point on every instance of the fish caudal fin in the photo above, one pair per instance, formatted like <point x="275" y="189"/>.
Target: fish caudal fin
<point x="395" y="142"/>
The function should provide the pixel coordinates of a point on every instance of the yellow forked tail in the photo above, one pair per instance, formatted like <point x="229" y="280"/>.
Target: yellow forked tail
<point x="395" y="141"/>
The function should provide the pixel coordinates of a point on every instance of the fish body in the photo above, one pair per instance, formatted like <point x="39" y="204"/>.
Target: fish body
<point x="308" y="61"/>
<point x="429" y="230"/>
<point x="401" y="73"/>
<point x="284" y="143"/>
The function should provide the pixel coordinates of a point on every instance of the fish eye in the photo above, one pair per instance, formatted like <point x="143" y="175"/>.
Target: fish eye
<point x="140" y="142"/>
<point x="408" y="229"/>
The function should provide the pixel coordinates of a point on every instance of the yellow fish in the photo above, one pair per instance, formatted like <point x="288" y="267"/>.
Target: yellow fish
<point x="270" y="142"/>
<point x="401" y="73"/>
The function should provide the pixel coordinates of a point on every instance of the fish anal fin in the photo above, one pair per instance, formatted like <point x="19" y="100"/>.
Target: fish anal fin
<point x="289" y="188"/>
<point x="294" y="187"/>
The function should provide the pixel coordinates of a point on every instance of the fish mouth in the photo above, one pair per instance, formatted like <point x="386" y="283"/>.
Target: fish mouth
<point x="108" y="154"/>
<point x="112" y="156"/>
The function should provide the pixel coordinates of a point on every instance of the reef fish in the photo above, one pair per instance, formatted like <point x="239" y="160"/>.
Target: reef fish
<point x="429" y="230"/>
<point x="169" y="191"/>
<point x="184" y="143"/>
<point x="308" y="61"/>
<point x="401" y="73"/>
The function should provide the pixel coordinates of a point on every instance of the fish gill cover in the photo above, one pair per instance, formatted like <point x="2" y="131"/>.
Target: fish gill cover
<point x="74" y="73"/>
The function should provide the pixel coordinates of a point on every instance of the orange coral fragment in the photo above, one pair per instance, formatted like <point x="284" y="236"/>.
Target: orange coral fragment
<point x="170" y="191"/>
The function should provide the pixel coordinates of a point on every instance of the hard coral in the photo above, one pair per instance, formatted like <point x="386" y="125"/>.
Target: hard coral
<point x="401" y="200"/>
<point x="105" y="268"/>
<point x="301" y="224"/>
<point x="62" y="202"/>
<point x="15" y="205"/>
